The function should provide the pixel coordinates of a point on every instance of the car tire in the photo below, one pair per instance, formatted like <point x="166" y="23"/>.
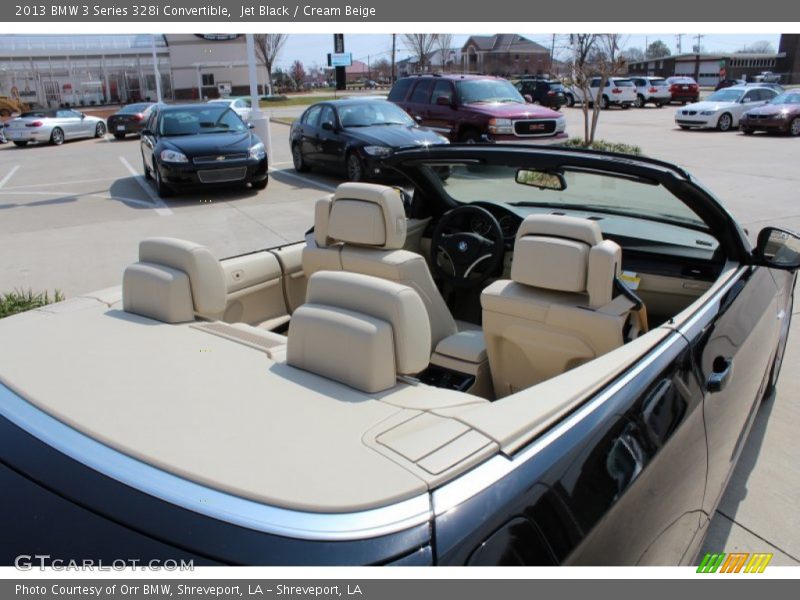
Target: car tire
<point x="626" y="106"/>
<point x="794" y="127"/>
<point x="570" y="100"/>
<point x="259" y="185"/>
<point x="659" y="104"/>
<point x="354" y="167"/>
<point x="639" y="103"/>
<point x="469" y="136"/>
<point x="20" y="144"/>
<point x="147" y="173"/>
<point x="162" y="189"/>
<point x="746" y="131"/>
<point x="725" y="122"/>
<point x="119" y="136"/>
<point x="298" y="161"/>
<point x="604" y="103"/>
<point x="683" y="126"/>
<point x="57" y="137"/>
<point x="100" y="130"/>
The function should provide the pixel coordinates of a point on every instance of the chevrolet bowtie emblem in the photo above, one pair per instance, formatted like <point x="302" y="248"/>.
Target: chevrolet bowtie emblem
<point x="220" y="158"/>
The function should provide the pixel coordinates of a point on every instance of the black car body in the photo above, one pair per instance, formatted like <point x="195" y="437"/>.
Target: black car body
<point x="198" y="145"/>
<point x="351" y="136"/>
<point x="549" y="93"/>
<point x="629" y="472"/>
<point x="129" y="119"/>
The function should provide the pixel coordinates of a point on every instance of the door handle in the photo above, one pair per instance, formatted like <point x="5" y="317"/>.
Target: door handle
<point x="720" y="374"/>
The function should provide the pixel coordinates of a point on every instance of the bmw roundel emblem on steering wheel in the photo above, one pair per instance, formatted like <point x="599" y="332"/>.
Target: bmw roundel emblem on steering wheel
<point x="462" y="246"/>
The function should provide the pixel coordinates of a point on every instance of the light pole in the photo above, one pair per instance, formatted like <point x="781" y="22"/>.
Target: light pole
<point x="257" y="118"/>
<point x="155" y="69"/>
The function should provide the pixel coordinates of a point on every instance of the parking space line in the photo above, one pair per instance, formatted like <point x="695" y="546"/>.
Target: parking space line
<point x="158" y="204"/>
<point x="306" y="180"/>
<point x="10" y="174"/>
<point x="59" y="183"/>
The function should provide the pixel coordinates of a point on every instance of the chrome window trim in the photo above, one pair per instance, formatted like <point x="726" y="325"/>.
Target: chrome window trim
<point x="204" y="500"/>
<point x="452" y="494"/>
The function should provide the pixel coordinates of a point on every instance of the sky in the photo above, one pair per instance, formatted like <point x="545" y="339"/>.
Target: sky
<point x="313" y="48"/>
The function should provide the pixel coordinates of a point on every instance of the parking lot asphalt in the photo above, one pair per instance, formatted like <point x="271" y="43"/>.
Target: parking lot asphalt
<point x="71" y="218"/>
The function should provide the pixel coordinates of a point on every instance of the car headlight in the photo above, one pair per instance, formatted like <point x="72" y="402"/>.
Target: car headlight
<point x="173" y="156"/>
<point x="377" y="150"/>
<point x="500" y="126"/>
<point x="257" y="152"/>
<point x="561" y="124"/>
<point x="708" y="113"/>
<point x="782" y="115"/>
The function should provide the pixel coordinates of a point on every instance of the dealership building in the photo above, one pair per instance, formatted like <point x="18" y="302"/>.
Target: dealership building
<point x="89" y="70"/>
<point x="709" y="68"/>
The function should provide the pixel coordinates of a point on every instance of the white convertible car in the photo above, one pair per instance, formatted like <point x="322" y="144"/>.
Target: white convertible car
<point x="551" y="357"/>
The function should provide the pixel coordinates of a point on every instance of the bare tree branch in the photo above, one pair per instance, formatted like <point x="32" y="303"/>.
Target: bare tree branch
<point x="268" y="47"/>
<point x="444" y="42"/>
<point x="420" y="45"/>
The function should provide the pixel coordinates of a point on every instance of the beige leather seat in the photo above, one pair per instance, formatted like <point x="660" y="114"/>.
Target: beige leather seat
<point x="557" y="311"/>
<point x="362" y="229"/>
<point x="359" y="330"/>
<point x="174" y="282"/>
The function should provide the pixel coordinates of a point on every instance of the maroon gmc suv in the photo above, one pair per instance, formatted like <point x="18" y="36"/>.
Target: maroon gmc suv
<point x="475" y="108"/>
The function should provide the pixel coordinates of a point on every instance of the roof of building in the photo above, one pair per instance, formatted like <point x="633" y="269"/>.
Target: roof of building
<point x="504" y="42"/>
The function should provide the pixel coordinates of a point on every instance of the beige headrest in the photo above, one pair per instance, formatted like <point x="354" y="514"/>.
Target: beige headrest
<point x="206" y="277"/>
<point x="561" y="226"/>
<point x="359" y="330"/>
<point x="322" y="215"/>
<point x="367" y="214"/>
<point x="566" y="254"/>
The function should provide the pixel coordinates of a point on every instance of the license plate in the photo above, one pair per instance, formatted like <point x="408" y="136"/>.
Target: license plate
<point x="15" y="136"/>
<point x="120" y="127"/>
<point x="684" y="87"/>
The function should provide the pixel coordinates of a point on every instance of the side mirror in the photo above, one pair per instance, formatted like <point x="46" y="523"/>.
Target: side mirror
<point x="443" y="101"/>
<point x="528" y="98"/>
<point x="328" y="126"/>
<point x="778" y="249"/>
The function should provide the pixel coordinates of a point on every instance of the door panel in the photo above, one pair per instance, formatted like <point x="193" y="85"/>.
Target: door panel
<point x="732" y="347"/>
<point x="330" y="141"/>
<point x="255" y="290"/>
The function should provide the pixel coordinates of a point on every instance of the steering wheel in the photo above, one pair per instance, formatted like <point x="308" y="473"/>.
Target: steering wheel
<point x="472" y="257"/>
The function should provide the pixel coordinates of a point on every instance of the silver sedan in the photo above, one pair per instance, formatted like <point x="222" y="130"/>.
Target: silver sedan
<point x="54" y="126"/>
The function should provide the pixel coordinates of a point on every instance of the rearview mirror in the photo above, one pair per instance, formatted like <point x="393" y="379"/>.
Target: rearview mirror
<point x="778" y="249"/>
<point x="544" y="180"/>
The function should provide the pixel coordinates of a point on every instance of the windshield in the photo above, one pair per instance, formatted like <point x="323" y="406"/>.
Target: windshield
<point x="591" y="191"/>
<point x="726" y="95"/>
<point x="209" y="119"/>
<point x="787" y="98"/>
<point x="134" y="108"/>
<point x="472" y="91"/>
<point x="373" y="113"/>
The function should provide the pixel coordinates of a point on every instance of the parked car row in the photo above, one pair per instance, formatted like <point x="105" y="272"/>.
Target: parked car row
<point x="724" y="108"/>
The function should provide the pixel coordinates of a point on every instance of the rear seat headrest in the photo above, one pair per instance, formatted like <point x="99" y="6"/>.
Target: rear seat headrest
<point x="359" y="330"/>
<point x="367" y="214"/>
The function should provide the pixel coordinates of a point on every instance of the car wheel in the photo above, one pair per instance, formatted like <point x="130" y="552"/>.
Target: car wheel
<point x="794" y="127"/>
<point x="162" y="188"/>
<point x="570" y="100"/>
<point x="147" y="173"/>
<point x="119" y="136"/>
<point x="469" y="136"/>
<point x="259" y="185"/>
<point x="100" y="130"/>
<point x="639" y="103"/>
<point x="604" y="102"/>
<point x="355" y="168"/>
<point x="659" y="104"/>
<point x="4" y="112"/>
<point x="683" y="126"/>
<point x="746" y="131"/>
<point x="683" y="102"/>
<point x="626" y="106"/>
<point x="297" y="159"/>
<point x="20" y="144"/>
<point x="725" y="122"/>
<point x="57" y="137"/>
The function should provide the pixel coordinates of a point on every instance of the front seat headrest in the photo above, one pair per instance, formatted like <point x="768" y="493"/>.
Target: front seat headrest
<point x="367" y="214"/>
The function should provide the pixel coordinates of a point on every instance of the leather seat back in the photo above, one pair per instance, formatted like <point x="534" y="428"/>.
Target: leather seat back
<point x="362" y="229"/>
<point x="549" y="317"/>
<point x="359" y="330"/>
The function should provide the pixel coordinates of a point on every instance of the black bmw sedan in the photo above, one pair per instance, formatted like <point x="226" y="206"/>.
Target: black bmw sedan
<point x="351" y="136"/>
<point x="202" y="144"/>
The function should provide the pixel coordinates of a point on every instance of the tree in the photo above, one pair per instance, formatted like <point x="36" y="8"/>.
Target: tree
<point x="268" y="47"/>
<point x="760" y="47"/>
<point x="421" y="46"/>
<point x="297" y="73"/>
<point x="657" y="49"/>
<point x="594" y="55"/>
<point x="634" y="54"/>
<point x="382" y="68"/>
<point x="444" y="42"/>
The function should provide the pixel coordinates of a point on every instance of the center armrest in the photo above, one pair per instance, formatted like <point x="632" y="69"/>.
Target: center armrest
<point x="469" y="346"/>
